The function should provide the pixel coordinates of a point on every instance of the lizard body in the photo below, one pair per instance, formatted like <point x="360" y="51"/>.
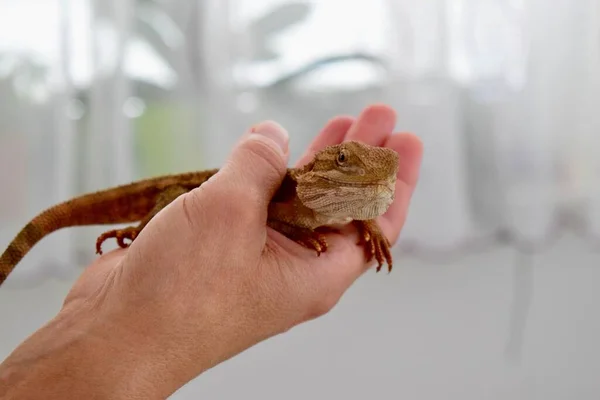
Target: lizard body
<point x="346" y="183"/>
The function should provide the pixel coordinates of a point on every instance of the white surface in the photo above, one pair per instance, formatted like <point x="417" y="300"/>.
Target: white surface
<point x="423" y="332"/>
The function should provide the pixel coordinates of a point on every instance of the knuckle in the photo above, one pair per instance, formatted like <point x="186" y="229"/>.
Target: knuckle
<point x="260" y="151"/>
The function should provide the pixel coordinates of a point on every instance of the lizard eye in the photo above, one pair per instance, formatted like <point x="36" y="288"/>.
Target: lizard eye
<point x="341" y="157"/>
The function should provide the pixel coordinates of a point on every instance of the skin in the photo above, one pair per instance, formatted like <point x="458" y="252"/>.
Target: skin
<point x="142" y="322"/>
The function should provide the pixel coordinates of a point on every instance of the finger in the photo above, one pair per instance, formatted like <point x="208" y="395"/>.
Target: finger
<point x="333" y="133"/>
<point x="257" y="164"/>
<point x="410" y="150"/>
<point x="374" y="125"/>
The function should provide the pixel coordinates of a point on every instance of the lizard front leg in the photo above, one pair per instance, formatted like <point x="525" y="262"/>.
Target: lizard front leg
<point x="296" y="222"/>
<point x="309" y="238"/>
<point x="131" y="232"/>
<point x="374" y="242"/>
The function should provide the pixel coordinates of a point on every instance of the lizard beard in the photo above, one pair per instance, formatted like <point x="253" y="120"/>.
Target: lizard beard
<point x="348" y="202"/>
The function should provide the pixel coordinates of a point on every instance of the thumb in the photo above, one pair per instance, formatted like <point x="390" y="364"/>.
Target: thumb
<point x="258" y="163"/>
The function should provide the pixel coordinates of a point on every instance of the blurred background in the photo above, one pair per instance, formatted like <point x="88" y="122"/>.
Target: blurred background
<point x="495" y="289"/>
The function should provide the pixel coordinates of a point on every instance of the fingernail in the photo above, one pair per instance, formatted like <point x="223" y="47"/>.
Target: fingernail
<point x="273" y="131"/>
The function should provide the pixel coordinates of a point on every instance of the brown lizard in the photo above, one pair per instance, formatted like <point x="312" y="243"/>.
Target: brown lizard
<point x="346" y="183"/>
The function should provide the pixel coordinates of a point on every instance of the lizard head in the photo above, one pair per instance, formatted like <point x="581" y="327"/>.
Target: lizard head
<point x="349" y="181"/>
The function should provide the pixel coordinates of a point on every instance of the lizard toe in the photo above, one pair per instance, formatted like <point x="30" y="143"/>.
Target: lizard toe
<point x="314" y="243"/>
<point x="102" y="238"/>
<point x="120" y="235"/>
<point x="376" y="244"/>
<point x="129" y="233"/>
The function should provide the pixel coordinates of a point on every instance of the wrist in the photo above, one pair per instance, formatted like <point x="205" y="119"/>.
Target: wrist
<point x="70" y="358"/>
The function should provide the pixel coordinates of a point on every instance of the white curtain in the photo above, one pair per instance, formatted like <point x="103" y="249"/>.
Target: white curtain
<point x="502" y="93"/>
<point x="489" y="86"/>
<point x="505" y="95"/>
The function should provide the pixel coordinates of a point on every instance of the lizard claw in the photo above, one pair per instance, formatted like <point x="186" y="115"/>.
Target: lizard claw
<point x="308" y="238"/>
<point x="375" y="243"/>
<point x="120" y="235"/>
<point x="312" y="240"/>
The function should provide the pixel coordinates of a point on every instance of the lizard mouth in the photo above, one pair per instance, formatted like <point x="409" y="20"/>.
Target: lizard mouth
<point x="383" y="190"/>
<point x="387" y="183"/>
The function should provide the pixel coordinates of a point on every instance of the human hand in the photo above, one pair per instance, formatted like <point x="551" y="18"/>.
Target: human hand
<point x="206" y="279"/>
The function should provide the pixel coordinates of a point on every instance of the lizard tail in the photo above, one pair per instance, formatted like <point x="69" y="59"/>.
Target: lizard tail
<point x="112" y="206"/>
<point x="122" y="204"/>
<point x="42" y="225"/>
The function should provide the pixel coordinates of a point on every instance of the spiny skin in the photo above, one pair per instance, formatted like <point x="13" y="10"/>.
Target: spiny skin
<point x="346" y="183"/>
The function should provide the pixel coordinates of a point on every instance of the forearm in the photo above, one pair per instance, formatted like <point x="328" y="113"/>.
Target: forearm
<point x="66" y="360"/>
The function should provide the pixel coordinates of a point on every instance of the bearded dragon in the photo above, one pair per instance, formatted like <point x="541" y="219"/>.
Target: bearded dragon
<point x="345" y="183"/>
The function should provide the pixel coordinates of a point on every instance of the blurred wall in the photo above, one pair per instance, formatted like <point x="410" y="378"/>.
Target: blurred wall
<point x="494" y="294"/>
